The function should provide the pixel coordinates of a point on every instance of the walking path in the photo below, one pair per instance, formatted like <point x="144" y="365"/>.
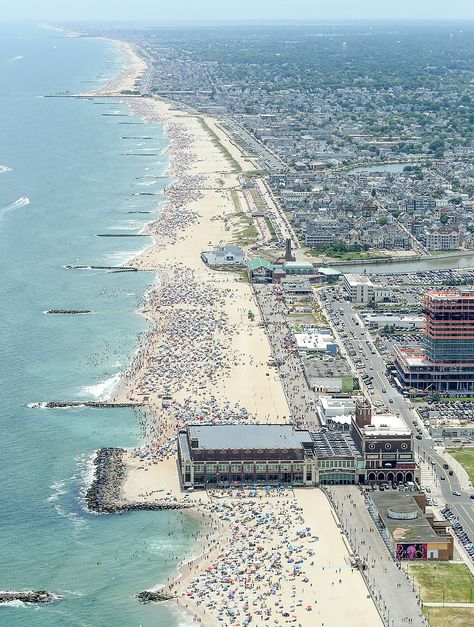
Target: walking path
<point x="388" y="582"/>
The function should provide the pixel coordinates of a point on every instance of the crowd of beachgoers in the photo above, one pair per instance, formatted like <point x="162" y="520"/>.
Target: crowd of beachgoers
<point x="261" y="566"/>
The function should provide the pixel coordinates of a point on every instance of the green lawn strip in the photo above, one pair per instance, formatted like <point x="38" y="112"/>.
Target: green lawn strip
<point x="248" y="234"/>
<point x="217" y="142"/>
<point x="449" y="616"/>
<point x="443" y="582"/>
<point x="465" y="456"/>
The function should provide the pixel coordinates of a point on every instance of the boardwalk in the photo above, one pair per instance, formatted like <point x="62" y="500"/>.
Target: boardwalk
<point x="300" y="398"/>
<point x="387" y="582"/>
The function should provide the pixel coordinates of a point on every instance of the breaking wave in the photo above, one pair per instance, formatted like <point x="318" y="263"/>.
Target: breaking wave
<point x="21" y="202"/>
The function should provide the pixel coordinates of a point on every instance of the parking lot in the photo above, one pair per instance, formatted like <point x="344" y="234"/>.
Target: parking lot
<point x="458" y="529"/>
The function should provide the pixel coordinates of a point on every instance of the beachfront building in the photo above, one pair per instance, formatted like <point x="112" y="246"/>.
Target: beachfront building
<point x="245" y="454"/>
<point x="298" y="267"/>
<point x="224" y="256"/>
<point x="330" y="275"/>
<point x="386" y="444"/>
<point x="265" y="454"/>
<point x="336" y="412"/>
<point x="409" y="530"/>
<point x="260" y="270"/>
<point x="316" y="342"/>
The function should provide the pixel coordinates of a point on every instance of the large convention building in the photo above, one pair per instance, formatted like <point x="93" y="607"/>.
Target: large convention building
<point x="265" y="454"/>
<point x="377" y="450"/>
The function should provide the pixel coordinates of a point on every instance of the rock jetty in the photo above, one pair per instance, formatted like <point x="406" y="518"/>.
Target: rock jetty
<point x="104" y="494"/>
<point x="74" y="312"/>
<point x="30" y="596"/>
<point x="148" y="596"/>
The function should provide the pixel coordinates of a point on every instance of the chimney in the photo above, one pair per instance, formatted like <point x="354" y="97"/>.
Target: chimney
<point x="363" y="413"/>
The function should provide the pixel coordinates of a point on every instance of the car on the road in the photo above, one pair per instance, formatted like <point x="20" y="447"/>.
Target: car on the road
<point x="418" y="437"/>
<point x="442" y="477"/>
<point x="384" y="390"/>
<point x="445" y="466"/>
<point x="455" y="493"/>
<point x="390" y="400"/>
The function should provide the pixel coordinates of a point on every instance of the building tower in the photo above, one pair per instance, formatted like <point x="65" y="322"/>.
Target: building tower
<point x="449" y="326"/>
<point x="363" y="413"/>
<point x="288" y="254"/>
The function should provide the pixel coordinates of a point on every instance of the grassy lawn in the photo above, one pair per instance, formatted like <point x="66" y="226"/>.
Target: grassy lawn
<point x="449" y="616"/>
<point x="465" y="456"/>
<point x="442" y="581"/>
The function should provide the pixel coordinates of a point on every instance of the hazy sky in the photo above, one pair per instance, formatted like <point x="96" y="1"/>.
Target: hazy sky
<point x="155" y="10"/>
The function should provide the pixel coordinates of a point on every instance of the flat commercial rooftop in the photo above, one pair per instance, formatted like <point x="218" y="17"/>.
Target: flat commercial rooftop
<point x="387" y="424"/>
<point x="329" y="444"/>
<point x="407" y="530"/>
<point x="250" y="437"/>
<point x="358" y="279"/>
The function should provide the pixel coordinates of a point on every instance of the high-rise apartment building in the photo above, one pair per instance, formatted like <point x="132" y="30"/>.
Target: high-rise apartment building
<point x="449" y="326"/>
<point x="447" y="363"/>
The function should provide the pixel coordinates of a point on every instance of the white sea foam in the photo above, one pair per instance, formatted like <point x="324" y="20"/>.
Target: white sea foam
<point x="21" y="202"/>
<point x="127" y="225"/>
<point x="44" y="405"/>
<point x="147" y="183"/>
<point x="4" y="168"/>
<point x="101" y="391"/>
<point x="86" y="470"/>
<point x="18" y="58"/>
<point x="58" y="489"/>
<point x="13" y="604"/>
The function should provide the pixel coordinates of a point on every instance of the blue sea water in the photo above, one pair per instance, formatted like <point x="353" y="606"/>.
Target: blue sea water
<point x="68" y="179"/>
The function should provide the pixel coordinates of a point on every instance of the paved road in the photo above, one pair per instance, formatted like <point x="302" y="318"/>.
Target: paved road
<point x="389" y="584"/>
<point x="270" y="159"/>
<point x="283" y="224"/>
<point x="301" y="399"/>
<point x="345" y="319"/>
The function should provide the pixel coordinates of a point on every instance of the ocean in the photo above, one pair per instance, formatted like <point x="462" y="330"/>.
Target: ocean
<point x="65" y="177"/>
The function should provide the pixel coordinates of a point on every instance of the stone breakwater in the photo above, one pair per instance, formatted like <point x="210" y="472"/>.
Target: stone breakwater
<point x="104" y="494"/>
<point x="30" y="596"/>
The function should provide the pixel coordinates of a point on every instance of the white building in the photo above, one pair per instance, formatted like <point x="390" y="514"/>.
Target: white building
<point x="316" y="342"/>
<point x="359" y="288"/>
<point x="443" y="238"/>
<point x="337" y="411"/>
<point x="399" y="321"/>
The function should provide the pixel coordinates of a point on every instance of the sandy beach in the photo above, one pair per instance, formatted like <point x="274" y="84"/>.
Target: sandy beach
<point x="273" y="556"/>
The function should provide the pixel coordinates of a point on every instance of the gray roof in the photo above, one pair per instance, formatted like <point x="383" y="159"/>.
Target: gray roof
<point x="408" y="530"/>
<point x="184" y="446"/>
<point x="330" y="444"/>
<point x="251" y="437"/>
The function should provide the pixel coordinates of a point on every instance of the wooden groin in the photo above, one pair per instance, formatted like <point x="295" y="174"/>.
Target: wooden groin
<point x="73" y="312"/>
<point x="109" y="268"/>
<point x="93" y="404"/>
<point x="122" y="235"/>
